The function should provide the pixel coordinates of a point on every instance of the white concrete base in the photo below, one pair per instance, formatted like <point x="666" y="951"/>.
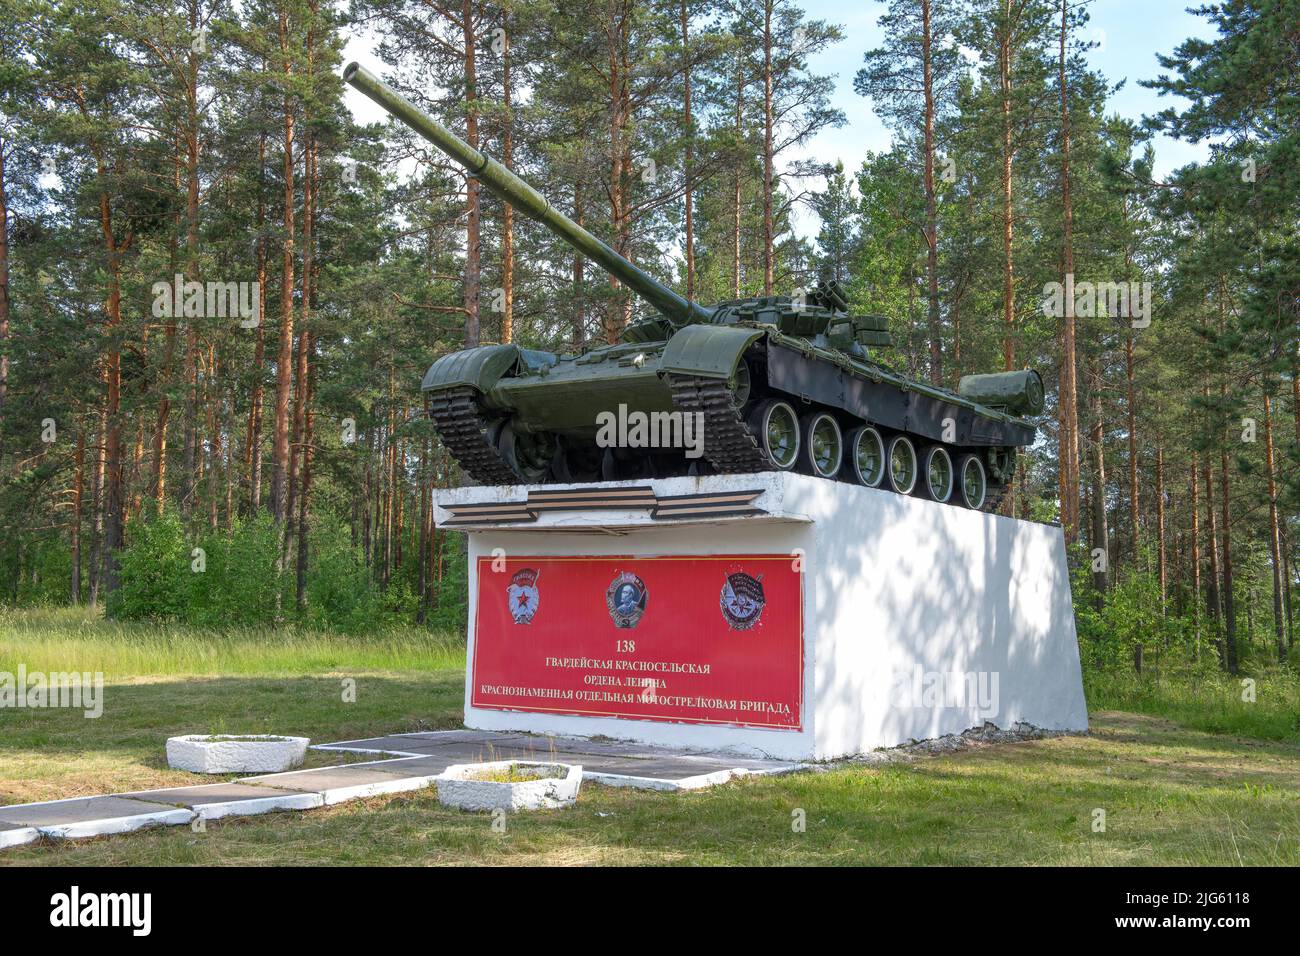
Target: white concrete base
<point x="229" y="753"/>
<point x="905" y="602"/>
<point x="457" y="787"/>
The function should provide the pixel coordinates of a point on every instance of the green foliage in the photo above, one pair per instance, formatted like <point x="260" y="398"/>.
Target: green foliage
<point x="238" y="580"/>
<point x="221" y="579"/>
<point x="40" y="576"/>
<point x="154" y="573"/>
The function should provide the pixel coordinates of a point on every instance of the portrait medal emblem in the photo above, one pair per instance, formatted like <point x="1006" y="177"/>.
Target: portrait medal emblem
<point x="523" y="596"/>
<point x="742" y="600"/>
<point x="626" y="599"/>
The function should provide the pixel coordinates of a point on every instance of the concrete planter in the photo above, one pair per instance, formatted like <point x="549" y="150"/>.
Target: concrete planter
<point x="470" y="787"/>
<point x="235" y="753"/>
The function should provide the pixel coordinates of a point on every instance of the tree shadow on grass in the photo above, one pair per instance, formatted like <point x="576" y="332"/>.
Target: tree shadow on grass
<point x="139" y="716"/>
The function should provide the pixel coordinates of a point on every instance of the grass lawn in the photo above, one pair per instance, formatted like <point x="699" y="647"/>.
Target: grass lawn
<point x="1198" y="778"/>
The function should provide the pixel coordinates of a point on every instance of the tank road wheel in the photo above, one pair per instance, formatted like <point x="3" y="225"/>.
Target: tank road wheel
<point x="530" y="455"/>
<point x="822" y="443"/>
<point x="972" y="482"/>
<point x="575" y="463"/>
<point x="902" y="464"/>
<point x="867" y="455"/>
<point x="743" y="387"/>
<point x="937" y="472"/>
<point x="776" y="427"/>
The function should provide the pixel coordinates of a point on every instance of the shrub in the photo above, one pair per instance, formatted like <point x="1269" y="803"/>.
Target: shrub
<point x="154" y="572"/>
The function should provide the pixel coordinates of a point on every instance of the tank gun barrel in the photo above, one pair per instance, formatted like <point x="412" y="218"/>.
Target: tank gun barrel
<point x="510" y="188"/>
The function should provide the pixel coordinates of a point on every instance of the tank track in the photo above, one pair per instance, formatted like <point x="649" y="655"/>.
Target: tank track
<point x="728" y="445"/>
<point x="993" y="497"/>
<point x="464" y="433"/>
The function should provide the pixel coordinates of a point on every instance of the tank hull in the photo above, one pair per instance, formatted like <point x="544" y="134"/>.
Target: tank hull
<point x="552" y="409"/>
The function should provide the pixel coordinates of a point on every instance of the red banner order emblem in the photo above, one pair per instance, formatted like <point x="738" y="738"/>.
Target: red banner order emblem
<point x="523" y="595"/>
<point x="692" y="639"/>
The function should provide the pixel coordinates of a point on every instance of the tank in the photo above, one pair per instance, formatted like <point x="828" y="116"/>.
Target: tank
<point x="740" y="386"/>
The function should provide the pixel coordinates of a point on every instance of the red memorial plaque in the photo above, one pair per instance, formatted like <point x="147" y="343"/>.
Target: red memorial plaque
<point x="702" y="640"/>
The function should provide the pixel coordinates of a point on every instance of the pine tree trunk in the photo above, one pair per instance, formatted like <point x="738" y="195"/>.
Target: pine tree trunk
<point x="473" y="204"/>
<point x="367" y="547"/>
<point x="1212" y="602"/>
<point x="1274" y="533"/>
<point x="303" y="357"/>
<point x="253" y="451"/>
<point x="1008" y="221"/>
<point x="1134" y="521"/>
<point x="284" y="359"/>
<point x="214" y="440"/>
<point x="304" y="498"/>
<point x="4" y="294"/>
<point x="1196" y="555"/>
<point x="1229" y="598"/>
<point x="931" y="207"/>
<point x="619" y="311"/>
<point x="113" y="498"/>
<point x="736" y="169"/>
<point x="97" y="503"/>
<point x="1161" y="557"/>
<point x="769" y="237"/>
<point x="1295" y="396"/>
<point x="1068" y="397"/>
<point x="1100" y="528"/>
<point x="74" y="529"/>
<point x="508" y="212"/>
<point x="688" y="127"/>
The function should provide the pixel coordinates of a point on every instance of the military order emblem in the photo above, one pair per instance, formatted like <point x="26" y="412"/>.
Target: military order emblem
<point x="742" y="600"/>
<point x="523" y="595"/>
<point x="626" y="599"/>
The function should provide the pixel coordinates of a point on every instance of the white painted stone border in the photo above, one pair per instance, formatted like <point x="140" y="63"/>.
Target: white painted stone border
<point x="458" y="789"/>
<point x="106" y="826"/>
<point x="333" y="795"/>
<point x="633" y="781"/>
<point x="111" y="825"/>
<point x="339" y="748"/>
<point x="698" y="782"/>
<point x="18" y="837"/>
<point x="235" y="753"/>
<point x="259" y="805"/>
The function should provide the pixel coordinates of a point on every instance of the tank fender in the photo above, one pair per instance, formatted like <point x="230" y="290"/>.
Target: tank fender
<point x="480" y="367"/>
<point x="710" y="351"/>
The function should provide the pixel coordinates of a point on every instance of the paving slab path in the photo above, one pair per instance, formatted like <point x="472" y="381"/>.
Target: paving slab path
<point x="410" y="762"/>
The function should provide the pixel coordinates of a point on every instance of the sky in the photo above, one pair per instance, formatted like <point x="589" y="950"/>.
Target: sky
<point x="1129" y="34"/>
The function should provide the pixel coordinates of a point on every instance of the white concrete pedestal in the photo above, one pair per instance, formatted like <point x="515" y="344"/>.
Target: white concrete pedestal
<point x="919" y="619"/>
